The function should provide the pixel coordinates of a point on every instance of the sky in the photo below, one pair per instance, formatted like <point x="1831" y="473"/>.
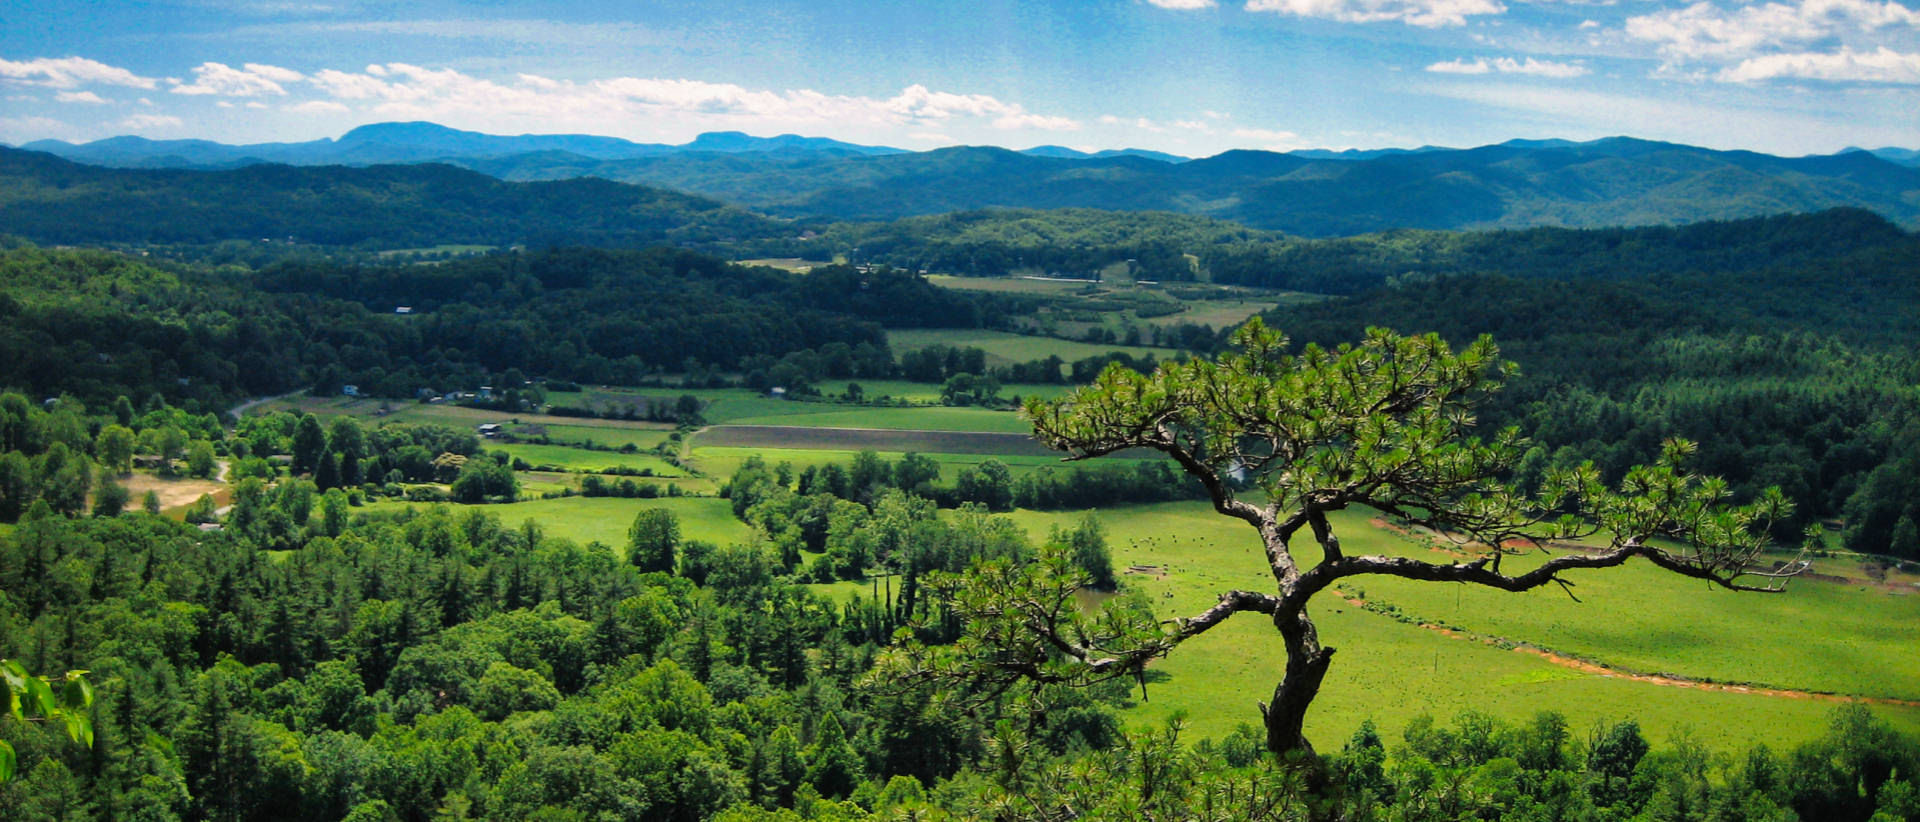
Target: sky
<point x="1192" y="77"/>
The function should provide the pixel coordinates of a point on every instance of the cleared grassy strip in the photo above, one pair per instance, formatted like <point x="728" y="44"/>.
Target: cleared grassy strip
<point x="581" y="459"/>
<point x="606" y="519"/>
<point x="454" y="415"/>
<point x="610" y="437"/>
<point x="1391" y="671"/>
<point x="721" y="462"/>
<point x="1009" y="285"/>
<point x="1004" y="348"/>
<point x="927" y="392"/>
<point x="937" y="418"/>
<point x="858" y="439"/>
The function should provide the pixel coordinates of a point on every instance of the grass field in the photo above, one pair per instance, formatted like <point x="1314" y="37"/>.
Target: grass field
<point x="605" y="435"/>
<point x="1838" y="638"/>
<point x="1010" y="285"/>
<point x="929" y="393"/>
<point x="605" y="519"/>
<point x="581" y="459"/>
<point x="793" y="264"/>
<point x="720" y="462"/>
<point x="1004" y="348"/>
<point x="931" y="418"/>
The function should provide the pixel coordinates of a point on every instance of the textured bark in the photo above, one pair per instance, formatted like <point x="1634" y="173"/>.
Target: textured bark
<point x="1307" y="663"/>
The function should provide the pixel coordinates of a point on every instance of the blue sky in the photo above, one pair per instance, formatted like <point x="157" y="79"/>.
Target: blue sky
<point x="1194" y="77"/>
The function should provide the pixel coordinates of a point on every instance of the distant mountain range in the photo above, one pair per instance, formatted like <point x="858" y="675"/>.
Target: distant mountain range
<point x="1521" y="183"/>
<point x="49" y="200"/>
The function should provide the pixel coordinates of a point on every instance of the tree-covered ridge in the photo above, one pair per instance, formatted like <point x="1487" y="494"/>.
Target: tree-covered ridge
<point x="1173" y="247"/>
<point x="50" y="200"/>
<point x="98" y="324"/>
<point x="1618" y="181"/>
<point x="1791" y="376"/>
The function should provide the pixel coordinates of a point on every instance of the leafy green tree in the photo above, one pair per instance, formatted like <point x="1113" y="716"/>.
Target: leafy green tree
<point x="151" y="502"/>
<point x="652" y="540"/>
<point x="309" y="443"/>
<point x="17" y="486"/>
<point x="1383" y="424"/>
<point x="200" y="460"/>
<point x="115" y="447"/>
<point x="833" y="767"/>
<point x="110" y="497"/>
<point x="30" y="698"/>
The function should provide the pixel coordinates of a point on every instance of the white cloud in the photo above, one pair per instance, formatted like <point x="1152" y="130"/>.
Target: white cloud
<point x="1423" y="13"/>
<point x="255" y="104"/>
<point x="1508" y="65"/>
<point x="403" y="90"/>
<point x="317" y="107"/>
<point x="223" y="104"/>
<point x="1183" y="5"/>
<point x="23" y="129"/>
<point x="1704" y="30"/>
<point x="70" y="72"/>
<point x="143" y="122"/>
<point x="78" y="97"/>
<point x="1883" y="65"/>
<point x="251" y="80"/>
<point x="1270" y="139"/>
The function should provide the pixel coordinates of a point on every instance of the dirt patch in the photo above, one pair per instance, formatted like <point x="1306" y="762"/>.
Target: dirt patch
<point x="1155" y="571"/>
<point x="176" y="492"/>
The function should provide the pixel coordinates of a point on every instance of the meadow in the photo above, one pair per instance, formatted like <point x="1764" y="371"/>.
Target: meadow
<point x="1819" y="636"/>
<point x="1006" y="348"/>
<point x="581" y="459"/>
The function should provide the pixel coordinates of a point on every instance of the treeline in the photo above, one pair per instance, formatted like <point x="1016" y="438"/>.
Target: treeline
<point x="1173" y="248"/>
<point x="1823" y="409"/>
<point x="98" y="325"/>
<point x="412" y="206"/>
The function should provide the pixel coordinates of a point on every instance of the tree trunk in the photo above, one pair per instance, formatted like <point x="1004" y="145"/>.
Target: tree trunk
<point x="1307" y="664"/>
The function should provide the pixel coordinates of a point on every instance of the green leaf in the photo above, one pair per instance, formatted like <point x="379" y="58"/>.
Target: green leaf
<point x="6" y="761"/>
<point x="40" y="697"/>
<point x="76" y="694"/>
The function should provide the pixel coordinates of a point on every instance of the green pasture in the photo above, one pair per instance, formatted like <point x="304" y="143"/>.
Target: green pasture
<point x="1391" y="671"/>
<point x="720" y="462"/>
<point x="792" y="264"/>
<point x="1010" y="285"/>
<point x="927" y="393"/>
<point x="934" y="418"/>
<point x="581" y="459"/>
<point x="610" y="436"/>
<point x="1004" y="348"/>
<point x="606" y="519"/>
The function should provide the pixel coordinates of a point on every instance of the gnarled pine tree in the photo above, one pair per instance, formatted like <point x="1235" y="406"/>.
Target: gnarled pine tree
<point x="1282" y="440"/>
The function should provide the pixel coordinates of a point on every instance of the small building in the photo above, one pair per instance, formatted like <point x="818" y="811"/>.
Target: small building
<point x="490" y="430"/>
<point x="403" y="309"/>
<point x="350" y="390"/>
<point x="777" y="392"/>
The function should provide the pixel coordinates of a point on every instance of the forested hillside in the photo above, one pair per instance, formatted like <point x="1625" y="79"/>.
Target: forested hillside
<point x="1617" y="181"/>
<point x="98" y="324"/>
<point x="1790" y="371"/>
<point x="50" y="200"/>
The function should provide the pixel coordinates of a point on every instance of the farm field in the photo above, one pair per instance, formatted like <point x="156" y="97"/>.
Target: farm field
<point x="859" y="439"/>
<point x="586" y="519"/>
<point x="1005" y="348"/>
<point x="581" y="459"/>
<point x="719" y="462"/>
<point x="929" y="418"/>
<point x="1846" y="640"/>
